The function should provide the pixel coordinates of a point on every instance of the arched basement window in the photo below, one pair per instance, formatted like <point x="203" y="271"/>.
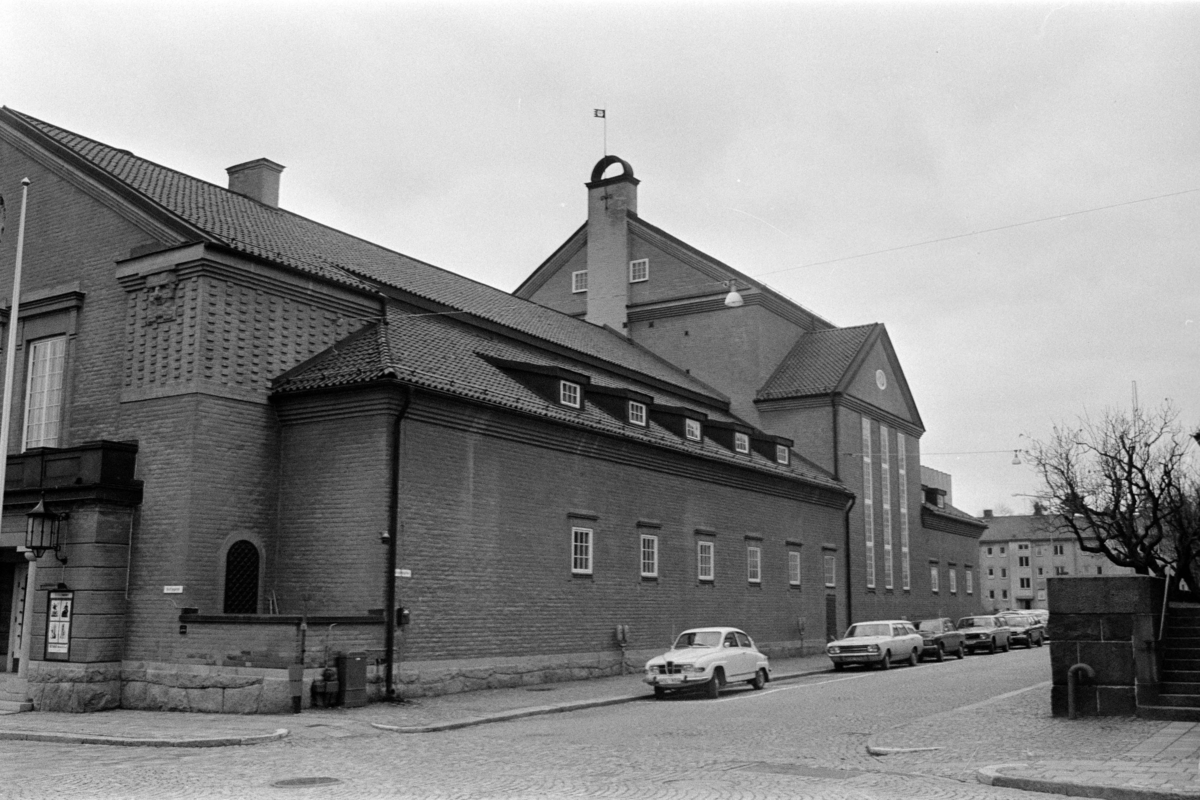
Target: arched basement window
<point x="241" y="578"/>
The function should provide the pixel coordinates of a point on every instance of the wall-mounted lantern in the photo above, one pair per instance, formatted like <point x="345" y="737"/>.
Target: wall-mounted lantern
<point x="43" y="531"/>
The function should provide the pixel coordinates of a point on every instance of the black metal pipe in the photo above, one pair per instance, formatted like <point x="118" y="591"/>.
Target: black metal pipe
<point x="395" y="526"/>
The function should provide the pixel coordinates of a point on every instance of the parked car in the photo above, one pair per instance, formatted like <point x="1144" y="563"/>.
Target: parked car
<point x="984" y="632"/>
<point x="1025" y="629"/>
<point x="940" y="637"/>
<point x="876" y="643"/>
<point x="708" y="658"/>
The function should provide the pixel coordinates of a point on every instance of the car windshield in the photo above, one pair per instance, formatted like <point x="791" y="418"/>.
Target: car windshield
<point x="976" y="622"/>
<point x="698" y="639"/>
<point x="869" y="629"/>
<point x="927" y="625"/>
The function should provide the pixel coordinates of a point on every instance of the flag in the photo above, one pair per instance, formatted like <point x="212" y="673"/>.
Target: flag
<point x="598" y="112"/>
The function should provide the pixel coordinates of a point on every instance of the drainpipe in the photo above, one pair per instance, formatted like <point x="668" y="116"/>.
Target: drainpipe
<point x="837" y="474"/>
<point x="394" y="528"/>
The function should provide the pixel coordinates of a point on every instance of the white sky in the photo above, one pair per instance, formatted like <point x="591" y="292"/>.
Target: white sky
<point x="775" y="136"/>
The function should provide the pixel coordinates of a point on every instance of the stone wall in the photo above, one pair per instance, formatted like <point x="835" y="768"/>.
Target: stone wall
<point x="1109" y="623"/>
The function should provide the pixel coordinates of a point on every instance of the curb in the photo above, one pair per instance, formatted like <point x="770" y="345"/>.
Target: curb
<point x="122" y="741"/>
<point x="536" y="711"/>
<point x="992" y="776"/>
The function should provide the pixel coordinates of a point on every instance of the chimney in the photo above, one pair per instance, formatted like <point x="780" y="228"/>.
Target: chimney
<point x="987" y="513"/>
<point x="257" y="179"/>
<point x="610" y="200"/>
<point x="1038" y="509"/>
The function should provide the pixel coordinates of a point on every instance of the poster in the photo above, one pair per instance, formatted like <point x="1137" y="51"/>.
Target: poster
<point x="58" y="626"/>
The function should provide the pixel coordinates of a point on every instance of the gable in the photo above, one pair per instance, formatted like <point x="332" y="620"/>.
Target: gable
<point x="877" y="380"/>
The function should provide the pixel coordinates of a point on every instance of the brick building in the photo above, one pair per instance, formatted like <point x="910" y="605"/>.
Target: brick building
<point x="1018" y="552"/>
<point x="269" y="434"/>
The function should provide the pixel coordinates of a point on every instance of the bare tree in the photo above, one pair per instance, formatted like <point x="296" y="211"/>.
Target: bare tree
<point x="1126" y="486"/>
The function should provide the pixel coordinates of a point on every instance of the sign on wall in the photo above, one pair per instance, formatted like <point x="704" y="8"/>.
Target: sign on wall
<point x="58" y="625"/>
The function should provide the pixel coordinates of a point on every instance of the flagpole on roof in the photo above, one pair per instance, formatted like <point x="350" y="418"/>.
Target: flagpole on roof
<point x="14" y="311"/>
<point x="600" y="112"/>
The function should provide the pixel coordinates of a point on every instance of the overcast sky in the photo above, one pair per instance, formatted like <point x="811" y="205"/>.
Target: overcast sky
<point x="1030" y="171"/>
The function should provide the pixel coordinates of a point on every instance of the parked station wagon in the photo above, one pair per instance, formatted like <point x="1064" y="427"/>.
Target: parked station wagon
<point x="984" y="632"/>
<point x="708" y="658"/>
<point x="876" y="643"/>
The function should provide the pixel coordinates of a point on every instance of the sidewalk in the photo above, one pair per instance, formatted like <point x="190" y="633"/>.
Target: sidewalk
<point x="1011" y="740"/>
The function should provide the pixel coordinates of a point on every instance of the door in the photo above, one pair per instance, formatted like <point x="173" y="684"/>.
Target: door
<point x="13" y="570"/>
<point x="832" y="631"/>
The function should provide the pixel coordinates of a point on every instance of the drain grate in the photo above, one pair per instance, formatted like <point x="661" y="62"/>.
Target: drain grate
<point x="300" y="783"/>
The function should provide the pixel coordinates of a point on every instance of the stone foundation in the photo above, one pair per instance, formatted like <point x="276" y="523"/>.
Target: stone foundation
<point x="61" y="686"/>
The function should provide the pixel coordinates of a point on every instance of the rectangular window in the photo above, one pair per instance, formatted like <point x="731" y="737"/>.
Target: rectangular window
<point x="704" y="561"/>
<point x="1025" y="583"/>
<point x="885" y="497"/>
<point x="1004" y="594"/>
<point x="649" y="556"/>
<point x="579" y="281"/>
<point x="953" y="581"/>
<point x="43" y="392"/>
<point x="830" y="571"/>
<point x="637" y="413"/>
<point x="991" y="574"/>
<point x="741" y="443"/>
<point x="793" y="568"/>
<point x="639" y="270"/>
<point x="581" y="551"/>
<point x="1040" y="571"/>
<point x="989" y="551"/>
<point x="1022" y="561"/>
<point x="902" y="459"/>
<point x="1058" y="549"/>
<point x="782" y="454"/>
<point x="991" y="594"/>
<point x="868" y="500"/>
<point x="1060" y="570"/>
<point x="568" y="393"/>
<point x="970" y="581"/>
<point x="754" y="564"/>
<point x="1099" y="570"/>
<point x="691" y="429"/>
<point x="1023" y="546"/>
<point x="933" y="578"/>
<point x="1003" y="572"/>
<point x="1001" y="549"/>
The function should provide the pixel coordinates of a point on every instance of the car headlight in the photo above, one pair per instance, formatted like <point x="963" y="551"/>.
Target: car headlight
<point x="872" y="648"/>
<point x="833" y="650"/>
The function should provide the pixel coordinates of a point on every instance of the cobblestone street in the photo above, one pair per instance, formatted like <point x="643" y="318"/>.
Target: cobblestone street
<point x="806" y="737"/>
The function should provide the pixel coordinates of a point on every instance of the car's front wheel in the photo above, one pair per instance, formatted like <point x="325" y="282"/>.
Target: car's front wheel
<point x="941" y="652"/>
<point x="914" y="657"/>
<point x="962" y="650"/>
<point x="1007" y="645"/>
<point x="760" y="679"/>
<point x="1039" y="641"/>
<point x="713" y="687"/>
<point x="992" y="648"/>
<point x="886" y="661"/>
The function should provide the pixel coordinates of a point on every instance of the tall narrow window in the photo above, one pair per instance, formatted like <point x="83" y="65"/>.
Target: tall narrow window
<point x="953" y="575"/>
<point x="868" y="502"/>
<point x="885" y="497"/>
<point x="793" y="568"/>
<point x="704" y="561"/>
<point x="43" y="392"/>
<point x="754" y="564"/>
<point x="581" y="551"/>
<point x="933" y="578"/>
<point x="649" y="556"/>
<point x="902" y="462"/>
<point x="830" y="571"/>
<point x="241" y="578"/>
<point x="970" y="581"/>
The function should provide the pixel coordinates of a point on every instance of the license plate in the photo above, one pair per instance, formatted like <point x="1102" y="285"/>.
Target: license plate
<point x="670" y="679"/>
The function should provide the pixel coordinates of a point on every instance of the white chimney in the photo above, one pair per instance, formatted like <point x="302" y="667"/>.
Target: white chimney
<point x="608" y="243"/>
<point x="257" y="179"/>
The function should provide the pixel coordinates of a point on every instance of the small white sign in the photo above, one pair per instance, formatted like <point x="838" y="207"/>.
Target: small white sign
<point x="404" y="573"/>
<point x="172" y="590"/>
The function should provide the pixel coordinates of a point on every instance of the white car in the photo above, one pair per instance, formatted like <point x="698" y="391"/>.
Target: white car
<point x="709" y="658"/>
<point x="879" y="642"/>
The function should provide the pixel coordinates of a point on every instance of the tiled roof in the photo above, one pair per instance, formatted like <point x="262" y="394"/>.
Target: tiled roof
<point x="287" y="238"/>
<point x="443" y="354"/>
<point x="817" y="363"/>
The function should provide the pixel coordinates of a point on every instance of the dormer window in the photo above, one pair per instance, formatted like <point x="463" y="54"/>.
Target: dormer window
<point x="691" y="429"/>
<point x="782" y="454"/>
<point x="637" y="413"/>
<point x="741" y="443"/>
<point x="639" y="270"/>
<point x="579" y="281"/>
<point x="568" y="393"/>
